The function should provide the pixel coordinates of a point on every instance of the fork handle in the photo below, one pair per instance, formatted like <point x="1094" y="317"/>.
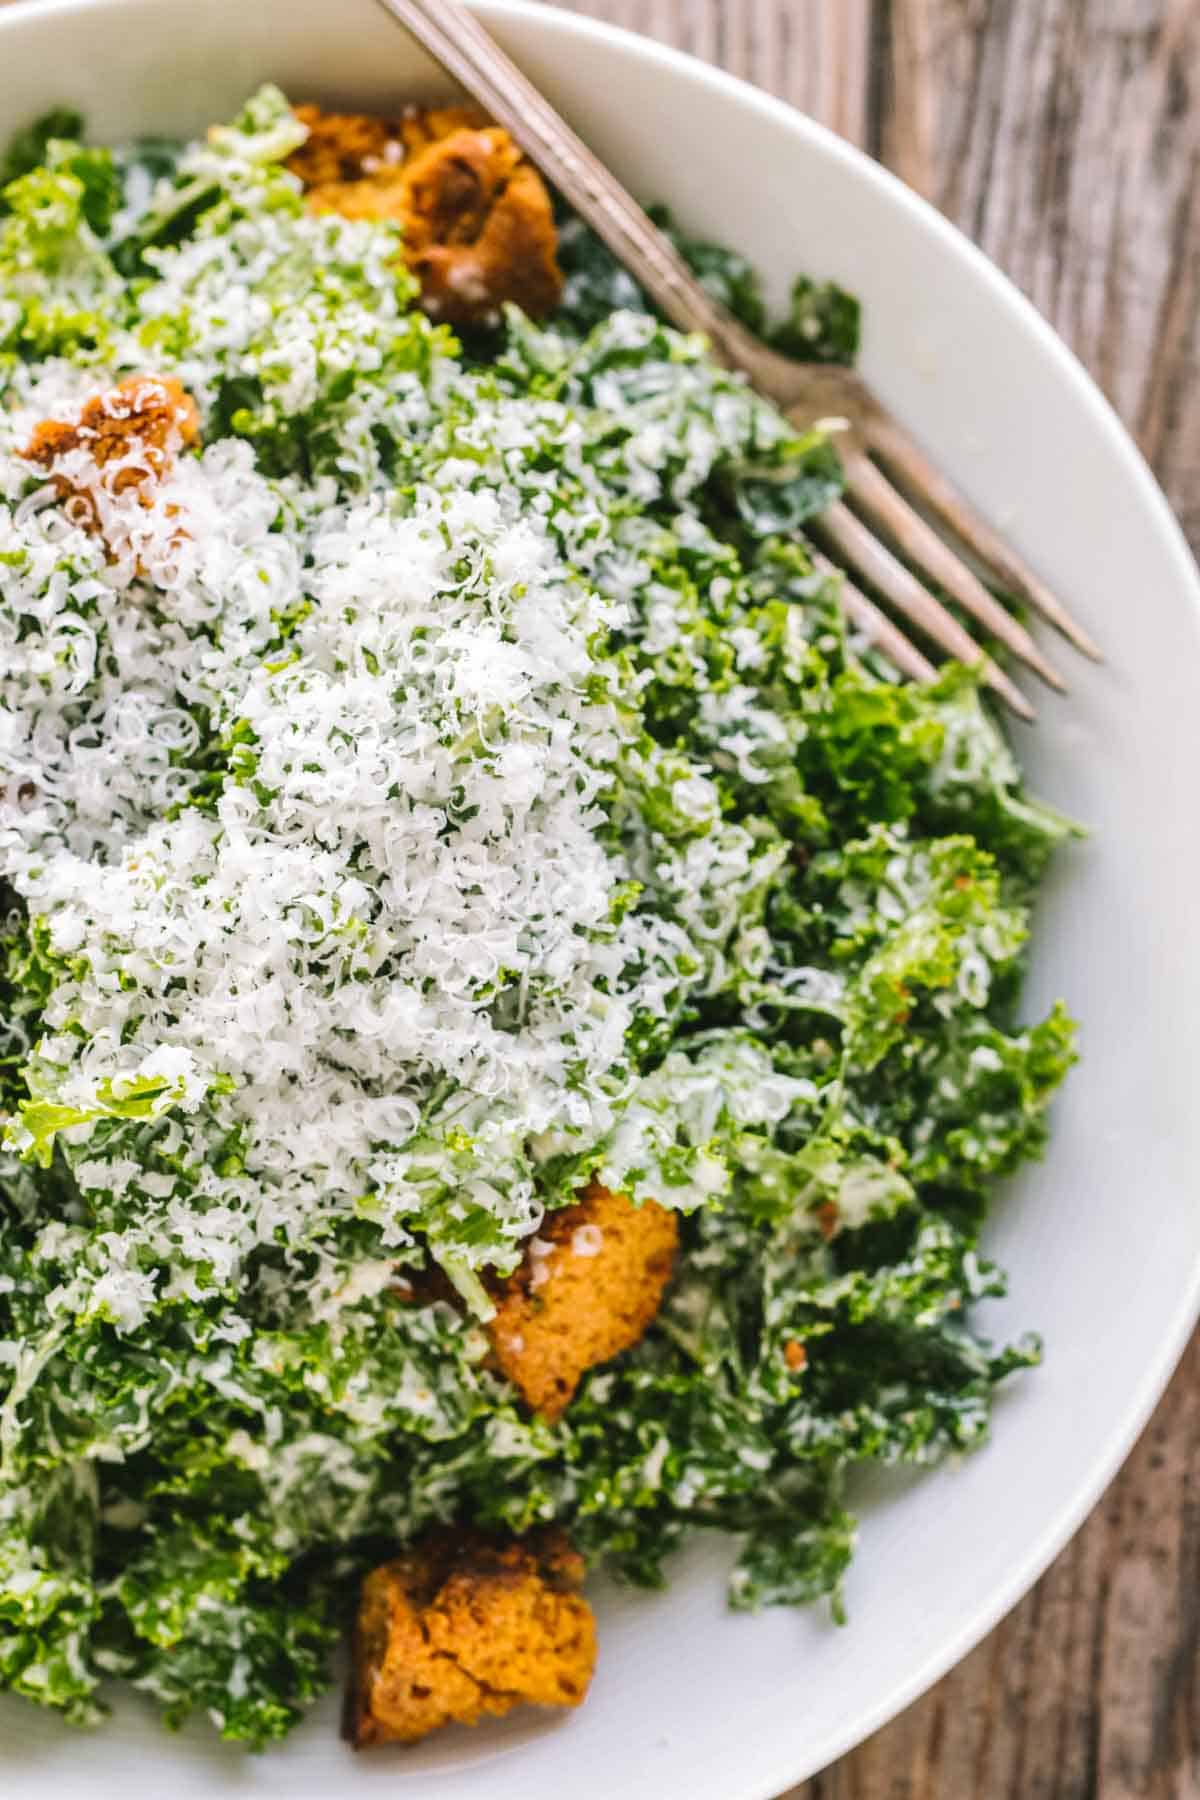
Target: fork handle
<point x="456" y="39"/>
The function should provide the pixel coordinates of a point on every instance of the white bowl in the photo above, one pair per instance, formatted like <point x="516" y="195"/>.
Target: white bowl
<point x="1103" y="1240"/>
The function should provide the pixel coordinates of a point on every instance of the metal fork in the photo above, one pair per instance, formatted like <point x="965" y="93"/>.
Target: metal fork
<point x="879" y="537"/>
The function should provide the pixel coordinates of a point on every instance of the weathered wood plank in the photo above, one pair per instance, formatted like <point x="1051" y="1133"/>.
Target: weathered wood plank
<point x="813" y="53"/>
<point x="1068" y="145"/>
<point x="908" y="129"/>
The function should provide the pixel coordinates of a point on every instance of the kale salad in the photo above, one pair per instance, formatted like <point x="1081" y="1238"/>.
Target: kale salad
<point x="436" y="781"/>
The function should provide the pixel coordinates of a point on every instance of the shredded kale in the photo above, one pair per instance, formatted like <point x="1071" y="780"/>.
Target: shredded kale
<point x="822" y="324"/>
<point x="30" y="148"/>
<point x="204" y="1443"/>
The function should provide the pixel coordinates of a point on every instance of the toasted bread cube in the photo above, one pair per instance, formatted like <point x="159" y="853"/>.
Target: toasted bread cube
<point x="477" y="217"/>
<point x="463" y="1626"/>
<point x="343" y="146"/>
<point x="350" y="147"/>
<point x="589" y="1285"/>
<point x="137" y="425"/>
<point x="480" y="229"/>
<point x="126" y="437"/>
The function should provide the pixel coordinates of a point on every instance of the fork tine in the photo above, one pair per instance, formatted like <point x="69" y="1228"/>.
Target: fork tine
<point x="922" y="545"/>
<point x="931" y="485"/>
<point x="873" y="560"/>
<point x="887" y="638"/>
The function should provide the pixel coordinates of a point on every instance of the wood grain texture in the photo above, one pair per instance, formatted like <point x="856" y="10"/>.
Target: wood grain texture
<point x="814" y="53"/>
<point x="1068" y="145"/>
<point x="1064" y="136"/>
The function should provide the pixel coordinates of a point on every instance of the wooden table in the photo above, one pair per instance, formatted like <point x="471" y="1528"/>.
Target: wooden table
<point x="1064" y="137"/>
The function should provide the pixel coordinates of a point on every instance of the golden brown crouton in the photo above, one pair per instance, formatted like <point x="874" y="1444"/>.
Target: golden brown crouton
<point x="343" y="146"/>
<point x="421" y="126"/>
<point x="463" y="1625"/>
<point x="346" y="147"/>
<point x="477" y="217"/>
<point x="590" y="1284"/>
<point x="481" y="229"/>
<point x="126" y="437"/>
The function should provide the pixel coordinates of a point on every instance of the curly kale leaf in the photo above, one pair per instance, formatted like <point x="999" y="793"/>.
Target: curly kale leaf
<point x="236" y="165"/>
<point x="728" y="276"/>
<point x="796" y="1557"/>
<point x="29" y="148"/>
<point x="59" y="290"/>
<point x="823" y="323"/>
<point x="253" y="1659"/>
<point x="970" y="1106"/>
<point x="48" y="1601"/>
<point x="597" y="285"/>
<point x="783" y="495"/>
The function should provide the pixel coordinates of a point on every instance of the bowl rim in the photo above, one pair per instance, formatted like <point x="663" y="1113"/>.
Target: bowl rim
<point x="799" y="1754"/>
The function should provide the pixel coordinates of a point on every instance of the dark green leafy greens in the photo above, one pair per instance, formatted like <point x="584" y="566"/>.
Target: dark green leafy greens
<point x="822" y="323"/>
<point x="191" y="1480"/>
<point x="30" y="149"/>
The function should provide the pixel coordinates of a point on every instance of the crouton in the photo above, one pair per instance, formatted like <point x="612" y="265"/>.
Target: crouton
<point x="480" y="229"/>
<point x="349" y="147"/>
<point x="477" y="217"/>
<point x="343" y="146"/>
<point x="126" y="437"/>
<point x="590" y="1284"/>
<point x="461" y="1626"/>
